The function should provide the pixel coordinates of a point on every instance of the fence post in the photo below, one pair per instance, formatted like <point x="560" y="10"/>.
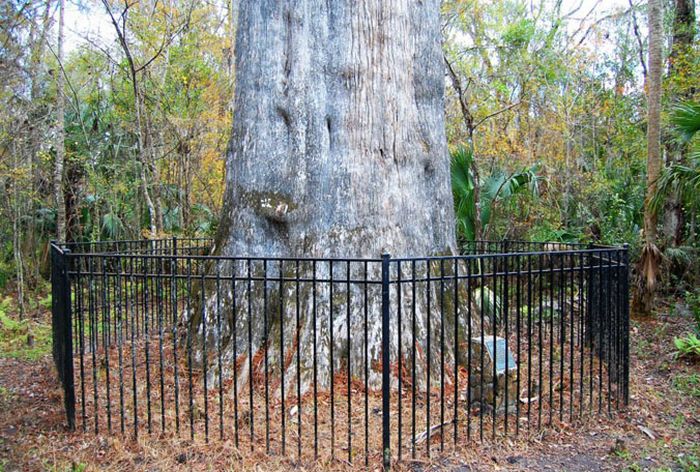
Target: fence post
<point x="54" y="305"/>
<point x="590" y="294"/>
<point x="386" y="378"/>
<point x="626" y="325"/>
<point x="61" y="323"/>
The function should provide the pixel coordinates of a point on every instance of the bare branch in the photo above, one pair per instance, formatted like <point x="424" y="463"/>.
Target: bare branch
<point x="496" y="113"/>
<point x="640" y="43"/>
<point x="457" y="84"/>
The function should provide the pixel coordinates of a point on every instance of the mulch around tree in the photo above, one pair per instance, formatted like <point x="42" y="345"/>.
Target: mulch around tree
<point x="660" y="430"/>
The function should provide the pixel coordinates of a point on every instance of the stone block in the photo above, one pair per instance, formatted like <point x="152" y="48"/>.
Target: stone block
<point x="482" y="386"/>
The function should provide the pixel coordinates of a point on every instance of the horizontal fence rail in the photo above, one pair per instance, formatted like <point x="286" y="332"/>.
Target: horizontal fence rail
<point x="364" y="360"/>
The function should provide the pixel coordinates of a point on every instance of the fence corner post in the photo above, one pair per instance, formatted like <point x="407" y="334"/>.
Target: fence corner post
<point x="386" y="359"/>
<point x="62" y="332"/>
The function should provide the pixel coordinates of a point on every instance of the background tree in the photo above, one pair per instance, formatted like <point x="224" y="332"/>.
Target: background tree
<point x="650" y="259"/>
<point x="60" y="131"/>
<point x="680" y="86"/>
<point x="144" y="152"/>
<point x="544" y="94"/>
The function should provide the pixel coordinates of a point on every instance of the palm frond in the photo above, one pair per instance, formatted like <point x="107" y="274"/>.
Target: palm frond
<point x="112" y="226"/>
<point x="498" y="186"/>
<point x="686" y="119"/>
<point x="463" y="191"/>
<point x="681" y="179"/>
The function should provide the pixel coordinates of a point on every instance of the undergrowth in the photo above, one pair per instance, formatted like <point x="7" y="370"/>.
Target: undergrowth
<point x="26" y="339"/>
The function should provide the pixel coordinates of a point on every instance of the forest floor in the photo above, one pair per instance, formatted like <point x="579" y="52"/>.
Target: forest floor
<point x="660" y="430"/>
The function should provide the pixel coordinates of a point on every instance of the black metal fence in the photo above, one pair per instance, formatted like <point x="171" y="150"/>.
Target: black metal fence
<point x="366" y="360"/>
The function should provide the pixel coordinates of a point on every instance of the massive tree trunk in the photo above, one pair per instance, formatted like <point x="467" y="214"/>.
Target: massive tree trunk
<point x="338" y="150"/>
<point x="338" y="144"/>
<point x="650" y="259"/>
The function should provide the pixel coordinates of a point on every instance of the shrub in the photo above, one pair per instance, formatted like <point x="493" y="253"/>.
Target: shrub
<point x="688" y="347"/>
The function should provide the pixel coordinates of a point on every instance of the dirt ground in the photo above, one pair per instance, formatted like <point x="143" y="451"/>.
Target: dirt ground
<point x="660" y="430"/>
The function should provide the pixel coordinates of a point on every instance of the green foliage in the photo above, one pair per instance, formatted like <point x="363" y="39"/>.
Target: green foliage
<point x="689" y="463"/>
<point x="692" y="299"/>
<point x="488" y="302"/>
<point x="501" y="187"/>
<point x="540" y="96"/>
<point x="463" y="192"/>
<point x="683" y="179"/>
<point x="496" y="189"/>
<point x="46" y="301"/>
<point x="546" y="231"/>
<point x="687" y="384"/>
<point x="7" y="271"/>
<point x="687" y="346"/>
<point x="183" y="52"/>
<point x="112" y="226"/>
<point x="25" y="339"/>
<point x="686" y="118"/>
<point x="205" y="220"/>
<point x="519" y="34"/>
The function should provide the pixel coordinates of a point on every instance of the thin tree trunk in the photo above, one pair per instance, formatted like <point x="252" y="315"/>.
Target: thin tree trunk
<point x="144" y="150"/>
<point x="154" y="170"/>
<point x="17" y="236"/>
<point x="60" y="135"/>
<point x="650" y="259"/>
<point x="36" y="128"/>
<point x="654" y="116"/>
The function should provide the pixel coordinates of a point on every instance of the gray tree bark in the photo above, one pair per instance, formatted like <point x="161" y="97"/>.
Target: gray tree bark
<point x="60" y="135"/>
<point x="338" y="149"/>
<point x="338" y="145"/>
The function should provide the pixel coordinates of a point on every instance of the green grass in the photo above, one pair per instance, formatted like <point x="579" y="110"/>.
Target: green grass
<point x="678" y="421"/>
<point x="73" y="467"/>
<point x="27" y="339"/>
<point x="687" y="384"/>
<point x="46" y="301"/>
<point x="622" y="454"/>
<point x="689" y="463"/>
